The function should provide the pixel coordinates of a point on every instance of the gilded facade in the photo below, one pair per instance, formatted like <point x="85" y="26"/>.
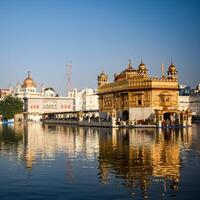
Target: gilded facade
<point x="135" y="97"/>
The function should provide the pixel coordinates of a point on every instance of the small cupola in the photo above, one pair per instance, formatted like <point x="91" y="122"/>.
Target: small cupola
<point x="142" y="69"/>
<point x="172" y="71"/>
<point x="102" y="79"/>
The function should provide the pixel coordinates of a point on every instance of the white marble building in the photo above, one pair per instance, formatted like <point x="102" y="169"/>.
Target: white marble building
<point x="35" y="107"/>
<point x="191" y="101"/>
<point x="37" y="103"/>
<point x="84" y="99"/>
<point x="195" y="103"/>
<point x="26" y="89"/>
<point x="184" y="102"/>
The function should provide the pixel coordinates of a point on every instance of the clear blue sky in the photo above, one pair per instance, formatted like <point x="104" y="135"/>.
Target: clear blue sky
<point x="41" y="35"/>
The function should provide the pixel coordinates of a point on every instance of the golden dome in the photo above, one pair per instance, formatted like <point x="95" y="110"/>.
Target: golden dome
<point x="142" y="66"/>
<point x="28" y="82"/>
<point x="102" y="79"/>
<point x="102" y="73"/>
<point x="172" y="68"/>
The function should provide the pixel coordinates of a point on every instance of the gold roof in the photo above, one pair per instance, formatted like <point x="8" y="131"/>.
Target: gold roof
<point x="102" y="75"/>
<point x="172" y="68"/>
<point x="142" y="66"/>
<point x="130" y="72"/>
<point x="28" y="82"/>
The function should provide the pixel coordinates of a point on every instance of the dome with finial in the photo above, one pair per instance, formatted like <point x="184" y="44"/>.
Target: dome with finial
<point x="102" y="73"/>
<point x="28" y="82"/>
<point x="142" y="69"/>
<point x="102" y="79"/>
<point x="127" y="73"/>
<point x="142" y="66"/>
<point x="172" y="69"/>
<point x="130" y="66"/>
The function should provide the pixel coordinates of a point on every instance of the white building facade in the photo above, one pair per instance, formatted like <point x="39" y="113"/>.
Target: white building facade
<point x="184" y="102"/>
<point x="195" y="103"/>
<point x="84" y="99"/>
<point x="190" y="100"/>
<point x="37" y="103"/>
<point x="26" y="89"/>
<point x="36" y="107"/>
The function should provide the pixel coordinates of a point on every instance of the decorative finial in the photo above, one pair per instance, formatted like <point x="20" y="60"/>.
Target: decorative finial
<point x="162" y="70"/>
<point x="142" y="60"/>
<point x="171" y="61"/>
<point x="129" y="63"/>
<point x="29" y="73"/>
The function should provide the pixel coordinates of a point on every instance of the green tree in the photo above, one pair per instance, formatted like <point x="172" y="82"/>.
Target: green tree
<point x="10" y="106"/>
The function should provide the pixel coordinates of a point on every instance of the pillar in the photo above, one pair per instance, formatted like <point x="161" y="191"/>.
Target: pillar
<point x="99" y="119"/>
<point x="159" y="118"/>
<point x="80" y="116"/>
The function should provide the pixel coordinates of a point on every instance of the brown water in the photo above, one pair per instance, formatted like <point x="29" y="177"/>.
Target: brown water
<point x="62" y="162"/>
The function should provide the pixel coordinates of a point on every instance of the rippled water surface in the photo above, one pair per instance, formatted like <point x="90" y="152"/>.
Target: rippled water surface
<point x="62" y="162"/>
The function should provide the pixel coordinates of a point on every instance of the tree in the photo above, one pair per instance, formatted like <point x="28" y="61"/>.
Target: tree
<point x="10" y="106"/>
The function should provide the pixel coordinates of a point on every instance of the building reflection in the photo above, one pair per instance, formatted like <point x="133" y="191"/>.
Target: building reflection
<point x="140" y="156"/>
<point x="133" y="157"/>
<point x="34" y="142"/>
<point x="11" y="140"/>
<point x="44" y="142"/>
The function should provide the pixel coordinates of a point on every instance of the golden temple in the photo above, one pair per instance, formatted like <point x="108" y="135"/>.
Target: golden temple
<point x="136" y="98"/>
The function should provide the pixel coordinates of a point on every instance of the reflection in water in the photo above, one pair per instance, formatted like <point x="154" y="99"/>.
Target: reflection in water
<point x="44" y="142"/>
<point x="140" y="156"/>
<point x="11" y="138"/>
<point x="135" y="158"/>
<point x="37" y="141"/>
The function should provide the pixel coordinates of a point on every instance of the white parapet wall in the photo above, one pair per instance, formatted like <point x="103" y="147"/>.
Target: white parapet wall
<point x="184" y="102"/>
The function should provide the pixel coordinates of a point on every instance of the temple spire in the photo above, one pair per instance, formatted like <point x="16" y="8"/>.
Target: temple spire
<point x="162" y="70"/>
<point x="141" y="60"/>
<point x="29" y="73"/>
<point x="171" y="60"/>
<point x="129" y="63"/>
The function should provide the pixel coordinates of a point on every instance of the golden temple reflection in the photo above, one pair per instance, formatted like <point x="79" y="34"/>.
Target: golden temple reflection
<point x="114" y="137"/>
<point x="134" y="156"/>
<point x="146" y="153"/>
